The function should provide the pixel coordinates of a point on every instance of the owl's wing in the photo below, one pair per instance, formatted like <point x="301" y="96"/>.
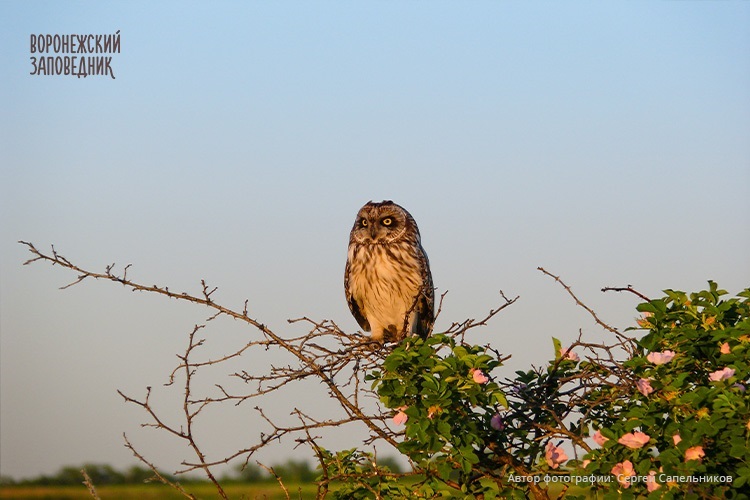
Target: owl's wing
<point x="353" y="306"/>
<point x="426" y="303"/>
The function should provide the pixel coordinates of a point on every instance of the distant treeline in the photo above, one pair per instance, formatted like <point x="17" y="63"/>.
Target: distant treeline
<point x="292" y="471"/>
<point x="100" y="474"/>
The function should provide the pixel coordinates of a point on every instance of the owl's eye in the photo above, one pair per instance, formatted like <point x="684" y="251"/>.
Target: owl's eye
<point x="387" y="221"/>
<point x="364" y="223"/>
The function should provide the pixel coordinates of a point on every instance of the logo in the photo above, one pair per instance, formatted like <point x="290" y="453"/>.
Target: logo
<point x="73" y="65"/>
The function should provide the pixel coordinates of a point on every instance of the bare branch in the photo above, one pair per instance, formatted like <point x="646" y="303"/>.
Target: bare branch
<point x="581" y="304"/>
<point x="276" y="476"/>
<point x="156" y="472"/>
<point x="629" y="288"/>
<point x="341" y="361"/>
<point x="89" y="484"/>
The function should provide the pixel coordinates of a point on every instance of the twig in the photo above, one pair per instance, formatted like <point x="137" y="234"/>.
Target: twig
<point x="628" y="288"/>
<point x="156" y="472"/>
<point x="581" y="304"/>
<point x="89" y="484"/>
<point x="307" y="359"/>
<point x="324" y="353"/>
<point x="278" y="479"/>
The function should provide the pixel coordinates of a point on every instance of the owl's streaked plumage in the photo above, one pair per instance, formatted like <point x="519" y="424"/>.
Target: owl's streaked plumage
<point x="388" y="275"/>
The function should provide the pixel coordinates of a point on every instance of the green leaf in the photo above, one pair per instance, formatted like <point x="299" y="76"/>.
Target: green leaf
<point x="558" y="347"/>
<point x="430" y="383"/>
<point x="500" y="399"/>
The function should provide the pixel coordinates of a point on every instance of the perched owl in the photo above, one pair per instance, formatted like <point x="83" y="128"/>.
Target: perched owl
<point x="388" y="275"/>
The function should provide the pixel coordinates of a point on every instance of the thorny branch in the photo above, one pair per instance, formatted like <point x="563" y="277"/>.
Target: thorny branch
<point x="326" y="353"/>
<point x="578" y="302"/>
<point x="89" y="485"/>
<point x="340" y="361"/>
<point x="157" y="475"/>
<point x="277" y="477"/>
<point x="628" y="288"/>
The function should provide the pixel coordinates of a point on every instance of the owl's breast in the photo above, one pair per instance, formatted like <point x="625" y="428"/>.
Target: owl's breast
<point x="384" y="280"/>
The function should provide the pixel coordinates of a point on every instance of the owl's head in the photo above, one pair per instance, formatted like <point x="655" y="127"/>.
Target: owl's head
<point x="382" y="223"/>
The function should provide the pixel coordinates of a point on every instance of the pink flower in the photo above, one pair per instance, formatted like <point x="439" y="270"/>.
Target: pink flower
<point x="585" y="463"/>
<point x="695" y="453"/>
<point x="725" y="348"/>
<point x="479" y="376"/>
<point x="659" y="358"/>
<point x="676" y="438"/>
<point x="496" y="422"/>
<point x="569" y="354"/>
<point x="644" y="386"/>
<point x="554" y="455"/>
<point x="623" y="472"/>
<point x="400" y="418"/>
<point x="722" y="374"/>
<point x="651" y="483"/>
<point x="599" y="438"/>
<point x="634" y="440"/>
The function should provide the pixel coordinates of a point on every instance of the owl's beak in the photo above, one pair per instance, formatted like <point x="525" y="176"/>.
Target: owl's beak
<point x="372" y="231"/>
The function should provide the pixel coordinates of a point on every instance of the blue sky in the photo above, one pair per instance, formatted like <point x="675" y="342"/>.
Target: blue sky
<point x="606" y="142"/>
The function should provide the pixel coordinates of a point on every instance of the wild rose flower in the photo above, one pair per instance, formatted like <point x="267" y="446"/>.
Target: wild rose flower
<point x="651" y="483"/>
<point x="676" y="438"/>
<point x="695" y="453"/>
<point x="496" y="422"/>
<point x="722" y="374"/>
<point x="725" y="349"/>
<point x="569" y="354"/>
<point x="400" y="418"/>
<point x="554" y="455"/>
<point x="644" y="386"/>
<point x="659" y="358"/>
<point x="623" y="472"/>
<point x="634" y="440"/>
<point x="479" y="376"/>
<point x="599" y="438"/>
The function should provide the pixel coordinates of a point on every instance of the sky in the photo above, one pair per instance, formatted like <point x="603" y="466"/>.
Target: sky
<point x="604" y="141"/>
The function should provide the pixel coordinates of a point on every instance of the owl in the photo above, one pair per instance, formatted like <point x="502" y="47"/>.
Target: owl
<point x="387" y="280"/>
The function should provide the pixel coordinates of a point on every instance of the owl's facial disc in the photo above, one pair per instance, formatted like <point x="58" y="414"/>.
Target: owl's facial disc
<point x="379" y="224"/>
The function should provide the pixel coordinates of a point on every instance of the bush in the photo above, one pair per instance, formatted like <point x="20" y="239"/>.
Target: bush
<point x="668" y="412"/>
